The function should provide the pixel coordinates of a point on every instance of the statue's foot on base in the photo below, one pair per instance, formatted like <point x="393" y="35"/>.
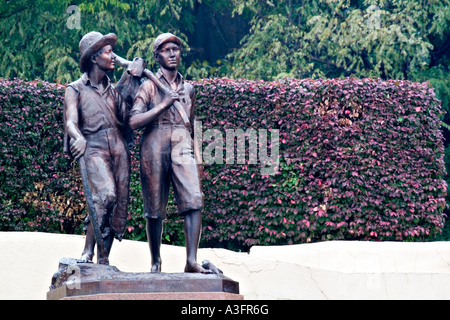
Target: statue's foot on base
<point x="208" y="265"/>
<point x="196" y="268"/>
<point x="103" y="261"/>
<point x="86" y="258"/>
<point x="156" y="268"/>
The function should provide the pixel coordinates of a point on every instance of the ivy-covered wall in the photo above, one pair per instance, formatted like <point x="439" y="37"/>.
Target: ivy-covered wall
<point x="358" y="159"/>
<point x="352" y="159"/>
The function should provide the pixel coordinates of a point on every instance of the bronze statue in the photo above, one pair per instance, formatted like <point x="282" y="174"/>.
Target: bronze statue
<point x="167" y="151"/>
<point x="96" y="123"/>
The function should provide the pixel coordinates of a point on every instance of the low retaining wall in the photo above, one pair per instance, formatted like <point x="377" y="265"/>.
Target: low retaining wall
<point x="326" y="270"/>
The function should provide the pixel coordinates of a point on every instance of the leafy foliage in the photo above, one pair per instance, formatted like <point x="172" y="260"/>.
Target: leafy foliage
<point x="39" y="189"/>
<point x="358" y="159"/>
<point x="41" y="43"/>
<point x="389" y="39"/>
<point x="386" y="39"/>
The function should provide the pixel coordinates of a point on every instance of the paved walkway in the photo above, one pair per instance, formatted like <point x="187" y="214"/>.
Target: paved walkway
<point x="326" y="270"/>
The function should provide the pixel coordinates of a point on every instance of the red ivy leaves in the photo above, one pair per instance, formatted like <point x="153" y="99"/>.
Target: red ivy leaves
<point x="359" y="159"/>
<point x="353" y="151"/>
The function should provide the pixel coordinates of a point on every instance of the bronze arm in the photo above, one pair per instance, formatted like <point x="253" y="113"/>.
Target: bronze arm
<point x="166" y="90"/>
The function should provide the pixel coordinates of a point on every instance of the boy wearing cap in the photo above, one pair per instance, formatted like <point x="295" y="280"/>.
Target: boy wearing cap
<point x="95" y="117"/>
<point x="167" y="152"/>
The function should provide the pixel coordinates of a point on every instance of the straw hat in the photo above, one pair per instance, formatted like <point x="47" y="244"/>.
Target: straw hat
<point x="91" y="43"/>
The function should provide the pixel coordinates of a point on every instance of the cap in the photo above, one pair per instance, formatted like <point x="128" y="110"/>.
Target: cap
<point x="164" y="38"/>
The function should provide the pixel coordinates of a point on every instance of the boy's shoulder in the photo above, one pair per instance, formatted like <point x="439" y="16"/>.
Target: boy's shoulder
<point x="77" y="83"/>
<point x="148" y="85"/>
<point x="189" y="88"/>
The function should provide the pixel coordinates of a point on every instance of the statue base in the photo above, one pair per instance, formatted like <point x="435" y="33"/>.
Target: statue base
<point x="88" y="281"/>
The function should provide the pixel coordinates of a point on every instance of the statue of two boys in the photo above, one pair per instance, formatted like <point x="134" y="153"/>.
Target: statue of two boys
<point x="98" y="122"/>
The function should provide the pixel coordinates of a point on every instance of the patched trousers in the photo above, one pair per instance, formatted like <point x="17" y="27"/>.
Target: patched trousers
<point x="108" y="169"/>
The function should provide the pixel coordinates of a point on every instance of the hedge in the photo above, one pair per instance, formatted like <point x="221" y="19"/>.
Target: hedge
<point x="358" y="159"/>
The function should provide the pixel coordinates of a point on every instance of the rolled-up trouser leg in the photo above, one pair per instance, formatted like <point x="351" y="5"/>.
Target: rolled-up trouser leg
<point x="185" y="175"/>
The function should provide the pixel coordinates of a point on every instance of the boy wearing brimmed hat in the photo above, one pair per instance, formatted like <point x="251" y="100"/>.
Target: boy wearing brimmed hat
<point x="95" y="117"/>
<point x="167" y="152"/>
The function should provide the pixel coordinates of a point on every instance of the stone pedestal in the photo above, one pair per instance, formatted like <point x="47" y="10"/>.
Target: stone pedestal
<point x="88" y="281"/>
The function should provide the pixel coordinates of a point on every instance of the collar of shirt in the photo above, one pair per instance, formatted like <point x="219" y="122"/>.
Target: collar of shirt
<point x="87" y="81"/>
<point x="180" y="79"/>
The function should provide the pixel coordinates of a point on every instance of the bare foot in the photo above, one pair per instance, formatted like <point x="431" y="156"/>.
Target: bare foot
<point x="103" y="261"/>
<point x="86" y="258"/>
<point x="195" y="268"/>
<point x="156" y="265"/>
<point x="208" y="265"/>
<point x="156" y="268"/>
